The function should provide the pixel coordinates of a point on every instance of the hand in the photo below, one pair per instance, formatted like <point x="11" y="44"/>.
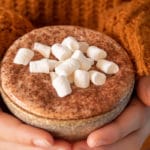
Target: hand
<point x="15" y="134"/>
<point x="129" y="130"/>
<point x="143" y="90"/>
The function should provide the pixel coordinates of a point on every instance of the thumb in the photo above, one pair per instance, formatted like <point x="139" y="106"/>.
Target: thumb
<point x="143" y="90"/>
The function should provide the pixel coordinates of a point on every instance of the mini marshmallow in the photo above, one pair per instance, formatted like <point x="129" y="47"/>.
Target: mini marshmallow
<point x="83" y="46"/>
<point x="53" y="75"/>
<point x="52" y="64"/>
<point x="23" y="56"/>
<point x="71" y="78"/>
<point x="97" y="78"/>
<point x="96" y="53"/>
<point x="61" y="52"/>
<point x="58" y="63"/>
<point x="72" y="66"/>
<point x="42" y="49"/>
<point x="67" y="67"/>
<point x="62" y="86"/>
<point x="71" y="43"/>
<point x="107" y="67"/>
<point x="81" y="78"/>
<point x="39" y="66"/>
<point x="85" y="63"/>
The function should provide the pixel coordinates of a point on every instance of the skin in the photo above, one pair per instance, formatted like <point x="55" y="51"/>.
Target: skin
<point x="128" y="131"/>
<point x="14" y="133"/>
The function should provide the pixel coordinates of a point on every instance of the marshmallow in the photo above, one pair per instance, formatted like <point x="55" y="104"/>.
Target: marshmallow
<point x="81" y="78"/>
<point x="42" y="49"/>
<point x="39" y="66"/>
<point x="61" y="52"/>
<point x="83" y="46"/>
<point x="62" y="86"/>
<point x="85" y="63"/>
<point x="58" y="63"/>
<point x="71" y="43"/>
<point x="23" y="56"/>
<point x="72" y="66"/>
<point x="71" y="78"/>
<point x="97" y="78"/>
<point x="67" y="67"/>
<point x="107" y="67"/>
<point x="52" y="64"/>
<point x="53" y="75"/>
<point x="96" y="53"/>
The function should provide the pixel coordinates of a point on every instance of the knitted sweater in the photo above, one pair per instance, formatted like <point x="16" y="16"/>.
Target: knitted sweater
<point x="12" y="26"/>
<point x="125" y="20"/>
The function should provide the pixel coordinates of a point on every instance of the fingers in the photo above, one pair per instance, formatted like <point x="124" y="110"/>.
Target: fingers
<point x="61" y="145"/>
<point x="82" y="145"/>
<point x="31" y="135"/>
<point x="129" y="121"/>
<point x="133" y="141"/>
<point x="143" y="90"/>
<point x="8" y="146"/>
<point x="13" y="130"/>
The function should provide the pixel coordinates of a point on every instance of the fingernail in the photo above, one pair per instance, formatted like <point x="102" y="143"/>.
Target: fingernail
<point x="42" y="143"/>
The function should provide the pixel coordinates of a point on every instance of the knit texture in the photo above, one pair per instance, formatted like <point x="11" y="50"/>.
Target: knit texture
<point x="129" y="24"/>
<point x="12" y="26"/>
<point x="127" y="21"/>
<point x="48" y="12"/>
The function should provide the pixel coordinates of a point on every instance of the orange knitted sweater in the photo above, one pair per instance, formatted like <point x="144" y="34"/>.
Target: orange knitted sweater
<point x="12" y="26"/>
<point x="125" y="20"/>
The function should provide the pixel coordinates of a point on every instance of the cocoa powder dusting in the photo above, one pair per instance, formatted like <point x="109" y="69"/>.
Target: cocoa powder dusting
<point x="34" y="92"/>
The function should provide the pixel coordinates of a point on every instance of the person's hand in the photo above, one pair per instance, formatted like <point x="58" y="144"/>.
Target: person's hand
<point x="16" y="135"/>
<point x="129" y="130"/>
<point x="143" y="90"/>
